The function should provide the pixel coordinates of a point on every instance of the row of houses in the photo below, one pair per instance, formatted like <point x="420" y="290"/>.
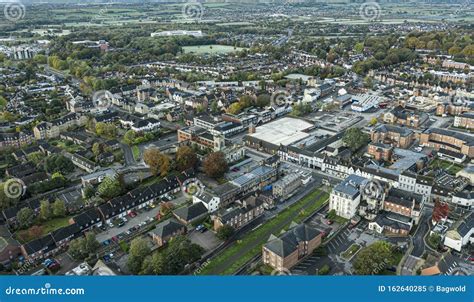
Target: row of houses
<point x="94" y="217"/>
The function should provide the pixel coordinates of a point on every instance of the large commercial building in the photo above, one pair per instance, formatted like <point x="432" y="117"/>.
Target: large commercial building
<point x="283" y="132"/>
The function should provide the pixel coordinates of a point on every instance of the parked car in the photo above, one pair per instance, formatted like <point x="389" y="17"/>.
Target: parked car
<point x="199" y="227"/>
<point x="132" y="214"/>
<point x="204" y="229"/>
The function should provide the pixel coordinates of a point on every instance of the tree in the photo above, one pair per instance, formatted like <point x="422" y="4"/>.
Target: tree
<point x="58" y="163"/>
<point x="138" y="251"/>
<point x="234" y="108"/>
<point x="186" y="158"/>
<point x="225" y="232"/>
<point x="89" y="191"/>
<point x="263" y="100"/>
<point x="129" y="137"/>
<point x="324" y="270"/>
<point x="96" y="149"/>
<point x="81" y="248"/>
<point x="76" y="249"/>
<point x="25" y="217"/>
<point x="179" y="252"/>
<point x="354" y="138"/>
<point x="166" y="207"/>
<point x="440" y="211"/>
<point x="35" y="157"/>
<point x="45" y="210"/>
<point x="90" y="243"/>
<point x="106" y="129"/>
<point x="373" y="121"/>
<point x="109" y="188"/>
<point x="373" y="259"/>
<point x="59" y="208"/>
<point x="214" y="107"/>
<point x="215" y="165"/>
<point x="158" y="162"/>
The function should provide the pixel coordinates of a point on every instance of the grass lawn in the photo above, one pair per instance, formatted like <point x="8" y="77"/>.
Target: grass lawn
<point x="211" y="49"/>
<point x="136" y="152"/>
<point x="3" y="243"/>
<point x="71" y="148"/>
<point x="232" y="258"/>
<point x="351" y="251"/>
<point x="49" y="226"/>
<point x="451" y="168"/>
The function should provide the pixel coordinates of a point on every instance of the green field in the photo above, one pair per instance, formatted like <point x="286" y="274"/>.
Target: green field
<point x="351" y="251"/>
<point x="451" y="168"/>
<point x="235" y="256"/>
<point x="211" y="49"/>
<point x="136" y="152"/>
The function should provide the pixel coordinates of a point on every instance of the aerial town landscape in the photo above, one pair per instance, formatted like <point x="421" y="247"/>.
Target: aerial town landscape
<point x="292" y="137"/>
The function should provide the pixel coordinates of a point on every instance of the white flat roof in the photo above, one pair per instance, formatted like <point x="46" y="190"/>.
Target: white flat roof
<point x="285" y="131"/>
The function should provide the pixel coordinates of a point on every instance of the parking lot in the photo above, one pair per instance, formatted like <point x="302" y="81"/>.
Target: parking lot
<point x="143" y="217"/>
<point x="208" y="239"/>
<point x="338" y="244"/>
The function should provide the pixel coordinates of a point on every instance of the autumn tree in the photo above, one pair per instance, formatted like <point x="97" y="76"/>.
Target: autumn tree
<point x="440" y="211"/>
<point x="159" y="163"/>
<point x="215" y="165"/>
<point x="185" y="158"/>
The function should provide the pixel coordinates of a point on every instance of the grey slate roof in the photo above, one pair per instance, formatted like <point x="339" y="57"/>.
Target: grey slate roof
<point x="288" y="242"/>
<point x="167" y="228"/>
<point x="191" y="212"/>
